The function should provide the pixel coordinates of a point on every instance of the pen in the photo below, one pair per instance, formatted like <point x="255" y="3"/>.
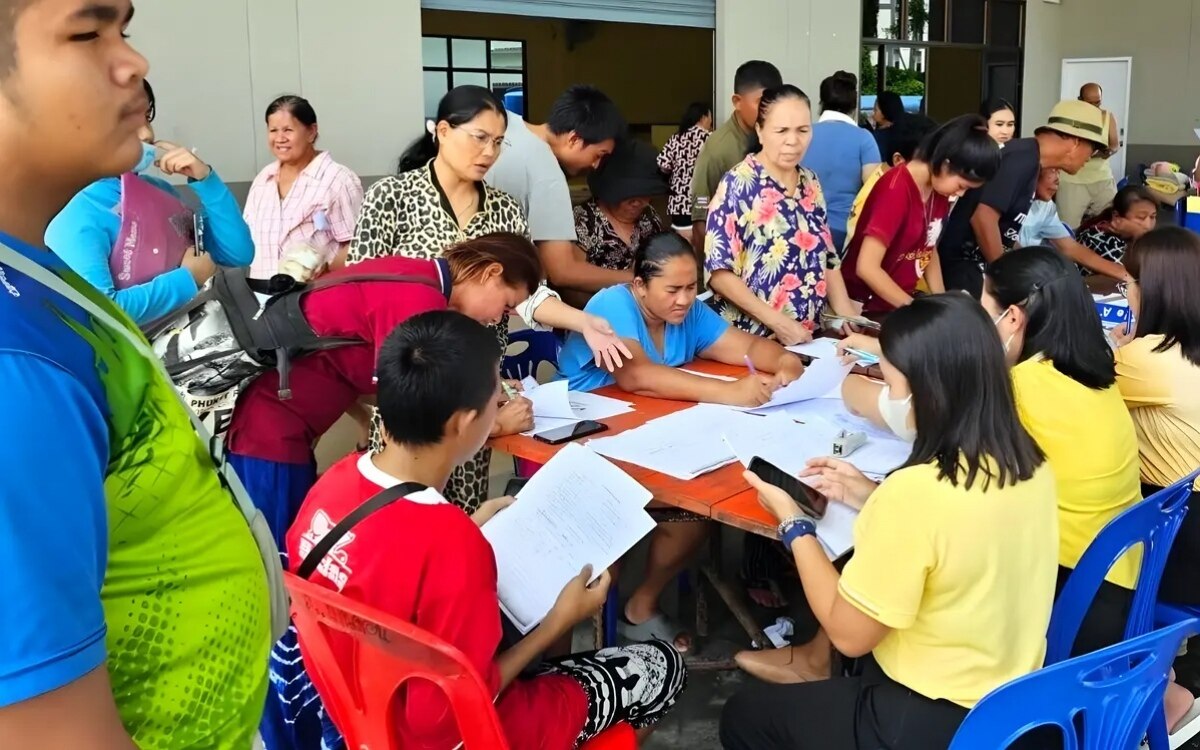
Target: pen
<point x="863" y="356"/>
<point x="750" y="365"/>
<point x="508" y="390"/>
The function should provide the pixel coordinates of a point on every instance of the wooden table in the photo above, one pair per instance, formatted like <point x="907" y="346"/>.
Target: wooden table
<point x="721" y="495"/>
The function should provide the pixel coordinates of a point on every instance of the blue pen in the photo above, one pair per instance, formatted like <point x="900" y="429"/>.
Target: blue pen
<point x="750" y="365"/>
<point x="863" y="356"/>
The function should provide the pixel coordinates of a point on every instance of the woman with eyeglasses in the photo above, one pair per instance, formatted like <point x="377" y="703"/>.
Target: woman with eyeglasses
<point x="438" y="200"/>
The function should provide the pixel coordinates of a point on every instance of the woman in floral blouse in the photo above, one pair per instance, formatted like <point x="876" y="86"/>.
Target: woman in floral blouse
<point x="769" y="250"/>
<point x="613" y="222"/>
<point x="678" y="160"/>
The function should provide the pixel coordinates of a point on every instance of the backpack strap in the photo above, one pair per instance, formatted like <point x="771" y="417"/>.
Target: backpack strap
<point x="377" y="502"/>
<point x="229" y="478"/>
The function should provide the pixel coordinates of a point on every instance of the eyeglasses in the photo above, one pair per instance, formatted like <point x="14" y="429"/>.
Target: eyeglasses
<point x="483" y="140"/>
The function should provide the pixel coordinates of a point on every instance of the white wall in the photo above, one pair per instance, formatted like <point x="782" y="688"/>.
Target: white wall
<point x="1043" y="62"/>
<point x="216" y="64"/>
<point x="807" y="40"/>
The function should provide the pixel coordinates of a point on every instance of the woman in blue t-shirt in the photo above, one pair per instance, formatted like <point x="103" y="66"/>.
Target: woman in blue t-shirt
<point x="664" y="326"/>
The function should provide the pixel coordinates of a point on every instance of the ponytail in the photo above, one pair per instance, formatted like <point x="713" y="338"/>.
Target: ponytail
<point x="420" y="152"/>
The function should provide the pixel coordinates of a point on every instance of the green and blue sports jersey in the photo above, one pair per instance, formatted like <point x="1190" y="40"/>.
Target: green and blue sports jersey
<point x="118" y="543"/>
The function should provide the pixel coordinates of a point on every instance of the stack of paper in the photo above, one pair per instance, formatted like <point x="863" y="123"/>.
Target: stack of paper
<point x="683" y="445"/>
<point x="577" y="510"/>
<point x="554" y="406"/>
<point x="817" y="348"/>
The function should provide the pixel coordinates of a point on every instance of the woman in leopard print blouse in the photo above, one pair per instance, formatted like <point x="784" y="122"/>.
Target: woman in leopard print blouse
<point x="438" y="200"/>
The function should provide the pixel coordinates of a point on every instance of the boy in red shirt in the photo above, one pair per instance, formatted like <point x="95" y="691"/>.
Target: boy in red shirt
<point x="426" y="561"/>
<point x="895" y="241"/>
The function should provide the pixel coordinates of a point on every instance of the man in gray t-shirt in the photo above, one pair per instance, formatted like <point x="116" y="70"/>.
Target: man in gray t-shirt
<point x="582" y="130"/>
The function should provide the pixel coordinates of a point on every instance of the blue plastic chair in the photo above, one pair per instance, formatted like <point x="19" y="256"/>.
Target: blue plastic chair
<point x="1102" y="701"/>
<point x="1153" y="523"/>
<point x="540" y="346"/>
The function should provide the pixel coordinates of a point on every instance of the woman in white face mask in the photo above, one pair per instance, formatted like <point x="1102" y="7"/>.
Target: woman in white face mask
<point x="138" y="241"/>
<point x="941" y="606"/>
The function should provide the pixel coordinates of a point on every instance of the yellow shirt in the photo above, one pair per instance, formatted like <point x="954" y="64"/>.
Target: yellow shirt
<point x="964" y="579"/>
<point x="861" y="199"/>
<point x="1089" y="439"/>
<point x="1162" y="391"/>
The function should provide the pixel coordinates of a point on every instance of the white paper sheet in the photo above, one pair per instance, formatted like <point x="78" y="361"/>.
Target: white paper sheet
<point x="817" y="348"/>
<point x="726" y="378"/>
<point x="821" y="379"/>
<point x="551" y="400"/>
<point x="684" y="445"/>
<point x="583" y="406"/>
<point x="577" y="510"/>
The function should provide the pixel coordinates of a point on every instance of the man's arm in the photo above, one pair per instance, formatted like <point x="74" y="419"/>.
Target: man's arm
<point x="80" y="715"/>
<point x="1114" y="136"/>
<point x="985" y="222"/>
<point x="567" y="267"/>
<point x="54" y="687"/>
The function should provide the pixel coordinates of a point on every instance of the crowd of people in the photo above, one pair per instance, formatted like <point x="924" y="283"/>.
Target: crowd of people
<point x="146" y="606"/>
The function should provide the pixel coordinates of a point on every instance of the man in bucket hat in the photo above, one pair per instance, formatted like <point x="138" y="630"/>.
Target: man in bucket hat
<point x="987" y="221"/>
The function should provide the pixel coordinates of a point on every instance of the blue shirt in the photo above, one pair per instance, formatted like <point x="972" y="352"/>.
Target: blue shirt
<point x="682" y="343"/>
<point x="84" y="234"/>
<point x="1042" y="224"/>
<point x="119" y="544"/>
<point x="838" y="153"/>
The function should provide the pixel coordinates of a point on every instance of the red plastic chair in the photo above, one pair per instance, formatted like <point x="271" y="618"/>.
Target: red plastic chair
<point x="388" y="653"/>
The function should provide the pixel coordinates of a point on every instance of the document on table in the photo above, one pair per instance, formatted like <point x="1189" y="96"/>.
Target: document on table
<point x="554" y="406"/>
<point x="821" y="379"/>
<point x="788" y="445"/>
<point x="577" y="510"/>
<point x="817" y="348"/>
<point x="684" y="445"/>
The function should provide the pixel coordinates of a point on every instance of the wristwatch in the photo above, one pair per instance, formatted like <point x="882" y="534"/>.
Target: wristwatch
<point x="794" y="528"/>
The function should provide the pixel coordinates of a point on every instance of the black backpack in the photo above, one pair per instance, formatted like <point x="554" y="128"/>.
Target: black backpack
<point x="238" y="327"/>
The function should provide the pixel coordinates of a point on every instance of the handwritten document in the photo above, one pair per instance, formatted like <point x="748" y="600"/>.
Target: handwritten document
<point x="577" y="510"/>
<point x="554" y="406"/>
<point x="821" y="379"/>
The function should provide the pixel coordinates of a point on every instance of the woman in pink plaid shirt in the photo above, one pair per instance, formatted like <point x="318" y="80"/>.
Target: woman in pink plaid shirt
<point x="305" y="198"/>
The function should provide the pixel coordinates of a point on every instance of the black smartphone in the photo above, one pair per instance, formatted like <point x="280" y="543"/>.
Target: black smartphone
<point x="571" y="432"/>
<point x="810" y="501"/>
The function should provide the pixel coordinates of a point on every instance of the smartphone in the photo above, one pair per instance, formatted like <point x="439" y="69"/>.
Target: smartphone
<point x="571" y="432"/>
<point x="810" y="501"/>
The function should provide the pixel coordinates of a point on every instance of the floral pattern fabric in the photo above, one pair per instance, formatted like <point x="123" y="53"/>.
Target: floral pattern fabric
<point x="779" y="245"/>
<point x="600" y="241"/>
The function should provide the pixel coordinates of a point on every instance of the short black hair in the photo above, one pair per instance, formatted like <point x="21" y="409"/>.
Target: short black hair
<point x="152" y="108"/>
<point x="906" y="136"/>
<point x="1129" y="196"/>
<point x="991" y="445"/>
<point x="1061" y="322"/>
<point x="756" y="75"/>
<point x="587" y="112"/>
<point x="839" y="93"/>
<point x="963" y="148"/>
<point x="654" y="251"/>
<point x="431" y="367"/>
<point x="891" y="106"/>
<point x="1165" y="262"/>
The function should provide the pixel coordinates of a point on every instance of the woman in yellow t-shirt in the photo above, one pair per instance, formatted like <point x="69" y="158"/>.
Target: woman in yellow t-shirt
<point x="1065" y="382"/>
<point x="1158" y="373"/>
<point x="943" y="608"/>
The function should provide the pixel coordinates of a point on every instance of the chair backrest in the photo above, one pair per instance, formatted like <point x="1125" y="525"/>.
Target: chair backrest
<point x="1101" y="701"/>
<point x="528" y="350"/>
<point x="1153" y="523"/>
<point x="387" y="653"/>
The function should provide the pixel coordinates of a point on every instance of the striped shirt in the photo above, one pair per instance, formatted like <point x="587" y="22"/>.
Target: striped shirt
<point x="320" y="211"/>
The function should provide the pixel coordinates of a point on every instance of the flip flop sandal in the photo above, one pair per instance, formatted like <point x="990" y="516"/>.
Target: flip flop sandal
<point x="658" y="627"/>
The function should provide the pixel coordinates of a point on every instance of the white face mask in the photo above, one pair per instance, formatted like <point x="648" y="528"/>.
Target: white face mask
<point x="895" y="414"/>
<point x="996" y="323"/>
